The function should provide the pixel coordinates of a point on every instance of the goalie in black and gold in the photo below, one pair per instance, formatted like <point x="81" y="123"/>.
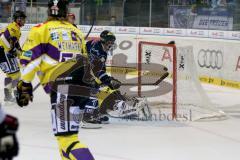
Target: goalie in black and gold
<point x="109" y="99"/>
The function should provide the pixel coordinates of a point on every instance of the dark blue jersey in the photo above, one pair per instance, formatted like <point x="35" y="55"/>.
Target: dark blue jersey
<point x="98" y="59"/>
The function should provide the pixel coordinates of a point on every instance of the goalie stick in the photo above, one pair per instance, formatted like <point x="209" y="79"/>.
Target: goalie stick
<point x="149" y="84"/>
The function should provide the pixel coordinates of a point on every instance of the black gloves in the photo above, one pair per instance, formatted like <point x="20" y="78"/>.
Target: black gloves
<point x="114" y="83"/>
<point x="8" y="140"/>
<point x="24" y="93"/>
<point x="8" y="126"/>
<point x="12" y="53"/>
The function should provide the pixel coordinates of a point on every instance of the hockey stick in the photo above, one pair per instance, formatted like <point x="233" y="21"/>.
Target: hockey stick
<point x="90" y="30"/>
<point x="149" y="84"/>
<point x="36" y="87"/>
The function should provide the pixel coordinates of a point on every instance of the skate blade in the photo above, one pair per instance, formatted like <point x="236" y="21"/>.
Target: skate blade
<point x="105" y="122"/>
<point x="90" y="126"/>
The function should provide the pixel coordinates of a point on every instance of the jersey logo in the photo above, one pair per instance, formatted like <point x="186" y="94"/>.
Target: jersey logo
<point x="54" y="36"/>
<point x="65" y="36"/>
<point x="27" y="54"/>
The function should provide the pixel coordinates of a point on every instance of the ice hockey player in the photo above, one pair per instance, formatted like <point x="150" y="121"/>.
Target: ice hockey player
<point x="8" y="139"/>
<point x="57" y="49"/>
<point x="98" y="51"/>
<point x="9" y="49"/>
<point x="112" y="98"/>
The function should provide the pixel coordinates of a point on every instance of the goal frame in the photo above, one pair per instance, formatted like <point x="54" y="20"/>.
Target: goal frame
<point x="174" y="74"/>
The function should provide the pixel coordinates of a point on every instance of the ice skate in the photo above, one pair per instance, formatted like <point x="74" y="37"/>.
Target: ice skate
<point x="8" y="98"/>
<point x="104" y="119"/>
<point x="90" y="121"/>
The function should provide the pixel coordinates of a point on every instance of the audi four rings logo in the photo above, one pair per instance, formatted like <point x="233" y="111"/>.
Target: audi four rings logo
<point x="210" y="59"/>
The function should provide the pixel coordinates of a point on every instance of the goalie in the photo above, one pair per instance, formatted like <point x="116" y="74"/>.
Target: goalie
<point x="109" y="100"/>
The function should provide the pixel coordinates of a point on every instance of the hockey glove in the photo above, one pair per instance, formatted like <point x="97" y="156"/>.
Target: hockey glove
<point x="8" y="126"/>
<point x="24" y="93"/>
<point x="8" y="147"/>
<point x="8" y="140"/>
<point x="114" y="83"/>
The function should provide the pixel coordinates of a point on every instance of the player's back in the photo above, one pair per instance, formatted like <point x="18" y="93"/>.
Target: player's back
<point x="48" y="46"/>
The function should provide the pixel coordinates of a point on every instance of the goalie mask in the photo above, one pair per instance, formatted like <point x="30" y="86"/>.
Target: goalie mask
<point x="107" y="38"/>
<point x="58" y="8"/>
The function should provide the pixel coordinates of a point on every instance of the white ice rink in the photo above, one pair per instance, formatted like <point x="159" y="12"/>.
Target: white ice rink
<point x="122" y="140"/>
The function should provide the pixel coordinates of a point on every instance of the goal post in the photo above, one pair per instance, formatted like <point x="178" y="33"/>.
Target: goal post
<point x="186" y="92"/>
<point x="174" y="73"/>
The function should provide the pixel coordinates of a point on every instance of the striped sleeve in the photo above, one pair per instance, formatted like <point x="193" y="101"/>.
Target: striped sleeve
<point x="30" y="58"/>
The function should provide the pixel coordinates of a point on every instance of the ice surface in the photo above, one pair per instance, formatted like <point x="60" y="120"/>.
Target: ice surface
<point x="131" y="140"/>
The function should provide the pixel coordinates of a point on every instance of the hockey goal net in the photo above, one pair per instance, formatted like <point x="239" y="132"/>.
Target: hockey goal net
<point x="181" y="92"/>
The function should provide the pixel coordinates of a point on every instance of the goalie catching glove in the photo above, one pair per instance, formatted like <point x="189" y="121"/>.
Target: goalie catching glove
<point x="24" y="93"/>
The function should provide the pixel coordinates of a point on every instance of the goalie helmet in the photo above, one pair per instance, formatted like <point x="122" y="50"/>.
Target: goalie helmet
<point x="58" y="8"/>
<point x="107" y="36"/>
<point x="19" y="14"/>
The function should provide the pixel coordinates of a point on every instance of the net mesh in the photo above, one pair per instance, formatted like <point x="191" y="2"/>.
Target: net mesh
<point x="191" y="100"/>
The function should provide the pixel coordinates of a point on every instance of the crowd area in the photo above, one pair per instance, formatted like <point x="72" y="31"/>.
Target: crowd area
<point x="153" y="13"/>
<point x="211" y="3"/>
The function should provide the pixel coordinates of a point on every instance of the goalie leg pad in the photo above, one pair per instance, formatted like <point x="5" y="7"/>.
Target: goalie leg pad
<point x="146" y="111"/>
<point x="108" y="102"/>
<point x="117" y="105"/>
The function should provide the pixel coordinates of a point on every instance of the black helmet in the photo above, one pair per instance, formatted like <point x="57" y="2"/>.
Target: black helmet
<point x="106" y="36"/>
<point x="58" y="8"/>
<point x="19" y="14"/>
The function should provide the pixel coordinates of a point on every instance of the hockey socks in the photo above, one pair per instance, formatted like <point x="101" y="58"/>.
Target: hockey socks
<point x="72" y="149"/>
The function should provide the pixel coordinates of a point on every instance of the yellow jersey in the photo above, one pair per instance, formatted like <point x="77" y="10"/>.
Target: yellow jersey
<point x="9" y="37"/>
<point x="51" y="48"/>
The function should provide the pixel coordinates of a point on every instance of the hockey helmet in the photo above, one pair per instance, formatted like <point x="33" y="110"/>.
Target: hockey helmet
<point x="58" y="8"/>
<point x="19" y="14"/>
<point x="107" y="36"/>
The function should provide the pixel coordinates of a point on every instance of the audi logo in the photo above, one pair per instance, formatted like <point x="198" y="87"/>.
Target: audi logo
<point x="210" y="59"/>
